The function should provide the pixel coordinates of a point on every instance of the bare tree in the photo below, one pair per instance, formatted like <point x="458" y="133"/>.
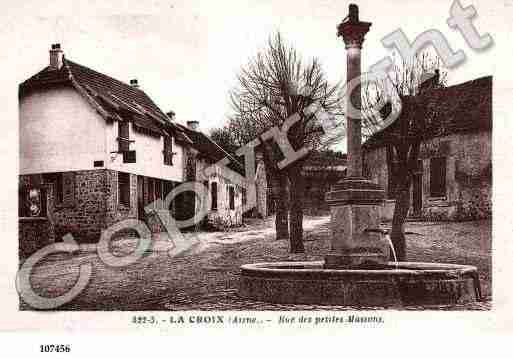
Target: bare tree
<point x="224" y="138"/>
<point x="273" y="86"/>
<point x="404" y="137"/>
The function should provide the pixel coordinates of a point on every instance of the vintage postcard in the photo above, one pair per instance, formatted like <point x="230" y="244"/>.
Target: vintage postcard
<point x="254" y="165"/>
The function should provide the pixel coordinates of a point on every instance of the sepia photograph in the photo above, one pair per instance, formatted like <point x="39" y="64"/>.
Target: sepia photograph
<point x="367" y="193"/>
<point x="199" y="162"/>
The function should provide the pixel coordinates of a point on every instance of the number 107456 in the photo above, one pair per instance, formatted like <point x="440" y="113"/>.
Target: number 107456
<point x="55" y="348"/>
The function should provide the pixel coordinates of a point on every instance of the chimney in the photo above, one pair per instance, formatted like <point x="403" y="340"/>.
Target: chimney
<point x="134" y="83"/>
<point x="436" y="79"/>
<point x="259" y="156"/>
<point x="171" y="115"/>
<point x="193" y="125"/>
<point x="430" y="81"/>
<point x="56" y="56"/>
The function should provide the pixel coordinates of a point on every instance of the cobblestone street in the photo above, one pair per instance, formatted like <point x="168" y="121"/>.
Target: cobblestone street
<point x="205" y="277"/>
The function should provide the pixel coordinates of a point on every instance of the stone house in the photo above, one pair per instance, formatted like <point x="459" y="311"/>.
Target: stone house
<point x="454" y="180"/>
<point x="95" y="150"/>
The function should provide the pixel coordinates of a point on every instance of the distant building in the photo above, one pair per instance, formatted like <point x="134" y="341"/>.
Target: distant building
<point x="321" y="171"/>
<point x="95" y="150"/>
<point x="454" y="181"/>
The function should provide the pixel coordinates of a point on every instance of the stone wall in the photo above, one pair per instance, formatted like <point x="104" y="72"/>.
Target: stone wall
<point x="468" y="177"/>
<point x="84" y="216"/>
<point x="34" y="233"/>
<point x="375" y="166"/>
<point x="473" y="176"/>
<point x="114" y="211"/>
<point x="261" y="190"/>
<point x="91" y="206"/>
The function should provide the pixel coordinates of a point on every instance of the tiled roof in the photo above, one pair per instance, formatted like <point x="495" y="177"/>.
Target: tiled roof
<point x="464" y="107"/>
<point x="116" y="100"/>
<point x="111" y="98"/>
<point x="208" y="149"/>
<point x="325" y="163"/>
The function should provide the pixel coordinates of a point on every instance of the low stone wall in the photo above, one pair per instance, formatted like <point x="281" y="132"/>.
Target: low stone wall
<point x="34" y="233"/>
<point x="229" y="218"/>
<point x="439" y="210"/>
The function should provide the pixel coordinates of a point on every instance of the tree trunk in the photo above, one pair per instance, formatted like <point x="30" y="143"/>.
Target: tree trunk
<point x="296" y="210"/>
<point x="279" y="192"/>
<point x="402" y="205"/>
<point x="281" y="197"/>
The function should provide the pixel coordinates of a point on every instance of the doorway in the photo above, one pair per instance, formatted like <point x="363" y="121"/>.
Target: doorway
<point x="140" y="198"/>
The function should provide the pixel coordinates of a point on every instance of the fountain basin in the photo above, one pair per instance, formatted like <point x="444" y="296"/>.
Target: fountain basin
<point x="411" y="283"/>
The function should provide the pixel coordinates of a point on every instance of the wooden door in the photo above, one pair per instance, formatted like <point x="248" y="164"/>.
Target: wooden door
<point x="140" y="197"/>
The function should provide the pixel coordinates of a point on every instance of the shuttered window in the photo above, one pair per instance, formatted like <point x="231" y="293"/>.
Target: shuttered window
<point x="231" y="197"/>
<point x="68" y="189"/>
<point x="168" y="150"/>
<point x="437" y="176"/>
<point x="124" y="188"/>
<point x="63" y="187"/>
<point x="123" y="136"/>
<point x="213" y="191"/>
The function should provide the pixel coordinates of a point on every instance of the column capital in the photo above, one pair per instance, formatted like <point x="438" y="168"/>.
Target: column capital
<point x="353" y="33"/>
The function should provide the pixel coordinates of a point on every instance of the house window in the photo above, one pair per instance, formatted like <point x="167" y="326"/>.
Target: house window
<point x="124" y="188"/>
<point x="231" y="197"/>
<point x="58" y="185"/>
<point x="213" y="191"/>
<point x="123" y="136"/>
<point x="244" y="197"/>
<point x="168" y="150"/>
<point x="437" y="176"/>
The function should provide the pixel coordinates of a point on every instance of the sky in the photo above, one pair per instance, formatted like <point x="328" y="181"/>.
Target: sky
<point x="186" y="54"/>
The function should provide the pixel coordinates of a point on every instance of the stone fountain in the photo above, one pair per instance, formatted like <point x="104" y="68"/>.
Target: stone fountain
<point x="357" y="270"/>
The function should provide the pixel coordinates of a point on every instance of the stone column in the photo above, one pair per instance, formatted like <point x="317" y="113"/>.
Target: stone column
<point x="354" y="131"/>
<point x="355" y="202"/>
